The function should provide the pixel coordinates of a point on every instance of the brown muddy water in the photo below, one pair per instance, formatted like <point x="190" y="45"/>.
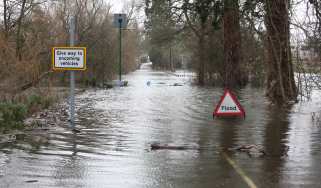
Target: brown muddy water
<point x="118" y="125"/>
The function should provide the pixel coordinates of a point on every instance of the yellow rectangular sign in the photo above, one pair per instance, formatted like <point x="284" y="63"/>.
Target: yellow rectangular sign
<point x="69" y="58"/>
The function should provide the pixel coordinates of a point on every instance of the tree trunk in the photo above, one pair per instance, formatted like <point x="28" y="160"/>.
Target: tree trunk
<point x="281" y="86"/>
<point x="201" y="54"/>
<point x="232" y="73"/>
<point x="203" y="15"/>
<point x="5" y="19"/>
<point x="19" y="39"/>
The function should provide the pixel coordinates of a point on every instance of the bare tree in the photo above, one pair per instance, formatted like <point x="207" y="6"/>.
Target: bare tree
<point x="281" y="86"/>
<point x="200" y="11"/>
<point x="19" y="39"/>
<point x="233" y="74"/>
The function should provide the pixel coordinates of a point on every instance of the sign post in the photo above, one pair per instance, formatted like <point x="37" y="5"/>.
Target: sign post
<point x="72" y="59"/>
<point x="72" y="76"/>
<point x="120" y="22"/>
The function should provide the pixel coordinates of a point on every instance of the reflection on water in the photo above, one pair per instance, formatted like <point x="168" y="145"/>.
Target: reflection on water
<point x="119" y="124"/>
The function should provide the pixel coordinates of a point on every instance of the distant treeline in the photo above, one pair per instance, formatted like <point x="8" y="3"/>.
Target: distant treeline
<point x="231" y="43"/>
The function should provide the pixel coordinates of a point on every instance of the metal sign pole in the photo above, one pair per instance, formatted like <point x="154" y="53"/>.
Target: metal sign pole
<point x="120" y="22"/>
<point x="72" y="76"/>
<point x="120" y="47"/>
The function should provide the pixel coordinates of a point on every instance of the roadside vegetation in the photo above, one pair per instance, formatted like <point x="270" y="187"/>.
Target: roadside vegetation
<point x="28" y="31"/>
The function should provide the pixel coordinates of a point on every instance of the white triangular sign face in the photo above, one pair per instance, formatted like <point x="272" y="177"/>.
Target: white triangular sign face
<point x="228" y="106"/>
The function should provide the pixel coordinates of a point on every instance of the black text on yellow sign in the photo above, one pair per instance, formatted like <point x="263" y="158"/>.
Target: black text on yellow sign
<point x="69" y="58"/>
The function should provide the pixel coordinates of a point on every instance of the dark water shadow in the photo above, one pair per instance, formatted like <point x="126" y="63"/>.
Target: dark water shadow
<point x="275" y="144"/>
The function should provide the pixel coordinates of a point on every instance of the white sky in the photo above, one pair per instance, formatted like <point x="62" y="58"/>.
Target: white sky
<point x="117" y="5"/>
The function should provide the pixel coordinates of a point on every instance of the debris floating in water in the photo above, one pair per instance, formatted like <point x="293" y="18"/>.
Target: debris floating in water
<point x="252" y="150"/>
<point x="31" y="181"/>
<point x="167" y="147"/>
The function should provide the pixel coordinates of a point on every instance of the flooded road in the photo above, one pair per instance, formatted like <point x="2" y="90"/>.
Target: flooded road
<point x="118" y="126"/>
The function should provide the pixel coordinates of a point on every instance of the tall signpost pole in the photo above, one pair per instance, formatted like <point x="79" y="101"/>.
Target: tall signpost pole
<point x="71" y="59"/>
<point x="120" y="22"/>
<point x="120" y="48"/>
<point x="72" y="76"/>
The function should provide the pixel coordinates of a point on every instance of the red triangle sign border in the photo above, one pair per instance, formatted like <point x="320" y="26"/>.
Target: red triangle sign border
<point x="216" y="112"/>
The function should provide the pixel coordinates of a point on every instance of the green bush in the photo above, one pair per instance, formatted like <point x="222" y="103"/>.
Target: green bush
<point x="12" y="115"/>
<point x="36" y="102"/>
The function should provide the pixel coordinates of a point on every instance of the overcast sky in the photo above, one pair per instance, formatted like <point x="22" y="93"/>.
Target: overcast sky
<point x="117" y="5"/>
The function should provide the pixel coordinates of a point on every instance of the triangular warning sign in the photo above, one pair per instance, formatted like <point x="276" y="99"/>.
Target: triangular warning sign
<point x="228" y="106"/>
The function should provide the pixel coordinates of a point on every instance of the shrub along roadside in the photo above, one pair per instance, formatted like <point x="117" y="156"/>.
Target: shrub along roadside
<point x="35" y="103"/>
<point x="11" y="115"/>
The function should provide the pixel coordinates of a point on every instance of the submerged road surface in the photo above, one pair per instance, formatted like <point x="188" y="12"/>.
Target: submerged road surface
<point x="119" y="125"/>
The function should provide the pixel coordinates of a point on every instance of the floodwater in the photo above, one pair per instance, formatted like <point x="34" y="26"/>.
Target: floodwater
<point x="118" y="125"/>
